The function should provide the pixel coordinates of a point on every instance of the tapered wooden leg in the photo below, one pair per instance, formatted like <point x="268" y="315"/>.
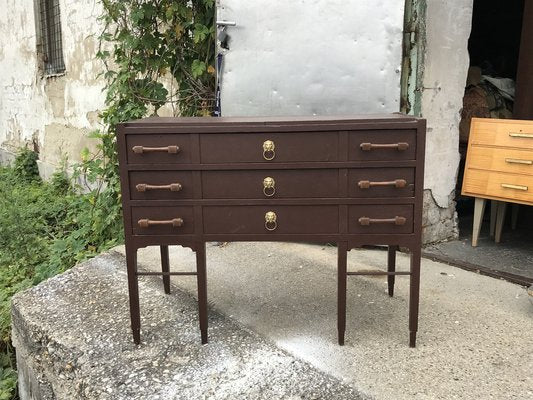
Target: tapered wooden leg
<point x="514" y="216"/>
<point x="500" y="219"/>
<point x="414" y="294"/>
<point x="202" y="289"/>
<point x="493" y="212"/>
<point x="165" y="267"/>
<point x="391" y="267"/>
<point x="479" y="209"/>
<point x="133" y="286"/>
<point x="342" y="249"/>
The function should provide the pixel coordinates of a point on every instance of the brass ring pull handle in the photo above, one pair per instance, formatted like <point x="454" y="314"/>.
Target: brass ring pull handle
<point x="173" y="187"/>
<point x="518" y="161"/>
<point x="269" y="150"/>
<point x="516" y="187"/>
<point x="166" y="149"/>
<point x="402" y="146"/>
<point x="269" y="186"/>
<point x="521" y="135"/>
<point x="366" y="221"/>
<point x="397" y="183"/>
<point x="271" y="221"/>
<point x="145" y="223"/>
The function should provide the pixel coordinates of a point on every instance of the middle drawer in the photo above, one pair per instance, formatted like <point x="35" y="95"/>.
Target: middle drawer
<point x="262" y="184"/>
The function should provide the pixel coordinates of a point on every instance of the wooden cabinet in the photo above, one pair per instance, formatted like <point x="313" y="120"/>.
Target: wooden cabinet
<point x="353" y="181"/>
<point x="499" y="166"/>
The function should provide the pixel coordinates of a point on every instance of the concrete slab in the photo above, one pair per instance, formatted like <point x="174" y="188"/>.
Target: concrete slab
<point x="73" y="341"/>
<point x="475" y="338"/>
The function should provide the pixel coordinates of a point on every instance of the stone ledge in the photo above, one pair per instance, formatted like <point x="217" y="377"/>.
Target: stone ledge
<point x="72" y="335"/>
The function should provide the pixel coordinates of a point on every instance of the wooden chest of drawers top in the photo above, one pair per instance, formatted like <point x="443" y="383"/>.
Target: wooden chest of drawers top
<point x="318" y="176"/>
<point x="499" y="163"/>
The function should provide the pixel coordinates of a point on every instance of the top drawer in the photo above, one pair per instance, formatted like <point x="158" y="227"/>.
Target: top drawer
<point x="502" y="132"/>
<point x="158" y="149"/>
<point x="382" y="145"/>
<point x="269" y="147"/>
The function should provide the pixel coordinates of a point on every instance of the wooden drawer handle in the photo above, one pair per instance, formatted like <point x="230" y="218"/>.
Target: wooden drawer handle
<point x="365" y="221"/>
<point x="521" y="135"/>
<point x="518" y="161"/>
<point x="145" y="223"/>
<point x="402" y="146"/>
<point x="397" y="183"/>
<point x="516" y="187"/>
<point x="173" y="187"/>
<point x="166" y="149"/>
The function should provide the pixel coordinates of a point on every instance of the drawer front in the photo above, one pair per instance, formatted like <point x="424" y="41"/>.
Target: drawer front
<point x="388" y="219"/>
<point x="381" y="182"/>
<point x="162" y="220"/>
<point x="271" y="219"/>
<point x="161" y="185"/>
<point x="265" y="184"/>
<point x="158" y="149"/>
<point x="503" y="160"/>
<point x="498" y="132"/>
<point x="498" y="184"/>
<point x="269" y="147"/>
<point x="382" y="145"/>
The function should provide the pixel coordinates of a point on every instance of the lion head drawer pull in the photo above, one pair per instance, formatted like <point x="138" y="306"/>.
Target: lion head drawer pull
<point x="146" y="223"/>
<point x="397" y="183"/>
<point x="366" y="221"/>
<point x="271" y="221"/>
<point x="269" y="150"/>
<point x="166" y="149"/>
<point x="402" y="146"/>
<point x="144" y="187"/>
<point x="269" y="186"/>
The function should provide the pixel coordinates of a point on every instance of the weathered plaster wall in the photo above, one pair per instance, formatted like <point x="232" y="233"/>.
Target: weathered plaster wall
<point x="447" y="26"/>
<point x="54" y="114"/>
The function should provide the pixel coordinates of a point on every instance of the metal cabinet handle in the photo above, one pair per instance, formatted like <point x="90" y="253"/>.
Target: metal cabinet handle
<point x="269" y="186"/>
<point x="402" y="146"/>
<point x="269" y="150"/>
<point x="516" y="187"/>
<point x="166" y="149"/>
<point x="366" y="221"/>
<point x="145" y="223"/>
<point x="397" y="183"/>
<point x="518" y="161"/>
<point x="271" y="221"/>
<point x="173" y="187"/>
<point x="521" y="135"/>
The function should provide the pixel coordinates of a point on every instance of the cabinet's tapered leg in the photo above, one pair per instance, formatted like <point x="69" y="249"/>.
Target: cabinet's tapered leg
<point x="342" y="249"/>
<point x="479" y="209"/>
<point x="133" y="286"/>
<point x="414" y="289"/>
<point x="165" y="267"/>
<point x="202" y="289"/>
<point x="500" y="219"/>
<point x="391" y="267"/>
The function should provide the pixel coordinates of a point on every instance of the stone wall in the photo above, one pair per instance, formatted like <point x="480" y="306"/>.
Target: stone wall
<point x="445" y="66"/>
<point x="49" y="114"/>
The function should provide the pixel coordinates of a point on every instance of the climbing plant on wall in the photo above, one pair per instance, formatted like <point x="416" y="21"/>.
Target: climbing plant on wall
<point x="156" y="53"/>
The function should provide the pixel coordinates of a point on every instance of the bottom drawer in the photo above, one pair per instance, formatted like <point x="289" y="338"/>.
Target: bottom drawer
<point x="498" y="184"/>
<point x="162" y="220"/>
<point x="388" y="219"/>
<point x="271" y="219"/>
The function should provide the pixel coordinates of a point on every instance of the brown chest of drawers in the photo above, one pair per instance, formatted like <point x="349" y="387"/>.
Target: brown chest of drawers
<point x="353" y="181"/>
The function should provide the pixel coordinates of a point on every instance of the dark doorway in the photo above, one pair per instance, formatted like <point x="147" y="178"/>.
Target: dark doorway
<point x="494" y="47"/>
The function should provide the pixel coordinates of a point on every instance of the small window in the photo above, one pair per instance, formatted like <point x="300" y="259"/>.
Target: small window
<point x="49" y="44"/>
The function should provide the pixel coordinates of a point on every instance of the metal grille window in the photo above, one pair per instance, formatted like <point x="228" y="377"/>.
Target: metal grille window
<point x="51" y="44"/>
